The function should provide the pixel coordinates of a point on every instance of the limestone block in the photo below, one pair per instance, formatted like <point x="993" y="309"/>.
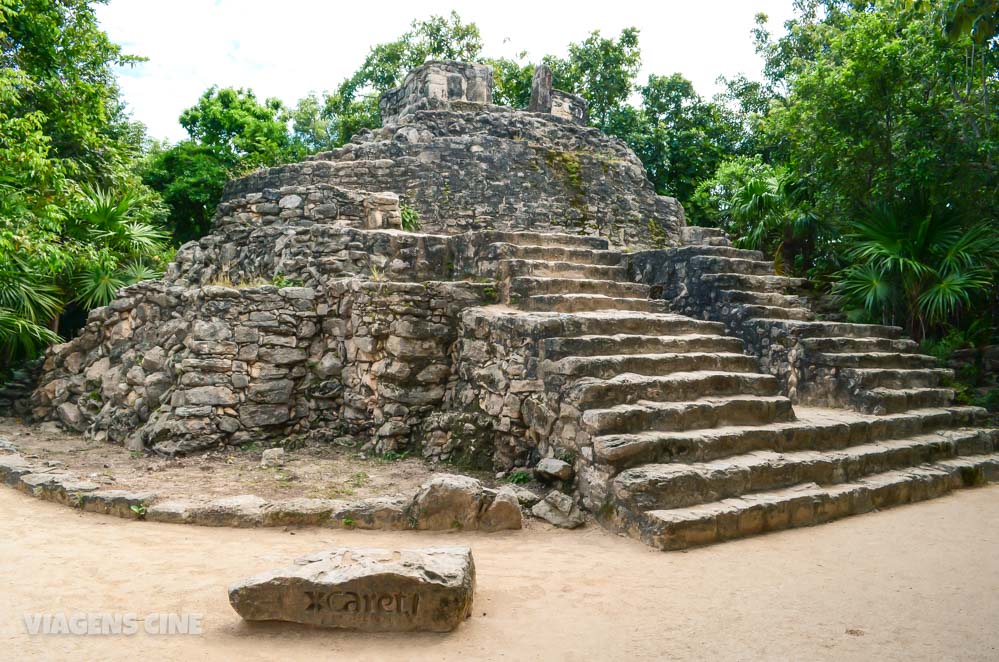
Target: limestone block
<point x="373" y="590"/>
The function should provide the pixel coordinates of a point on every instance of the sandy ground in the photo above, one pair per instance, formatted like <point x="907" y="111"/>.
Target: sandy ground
<point x="919" y="582"/>
<point x="320" y="471"/>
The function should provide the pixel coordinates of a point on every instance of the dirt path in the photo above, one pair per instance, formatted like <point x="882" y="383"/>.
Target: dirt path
<point x="918" y="582"/>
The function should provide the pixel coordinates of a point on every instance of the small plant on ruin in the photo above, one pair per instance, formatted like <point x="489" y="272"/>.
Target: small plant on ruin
<point x="139" y="509"/>
<point x="410" y="219"/>
<point x="78" y="500"/>
<point x="281" y="280"/>
<point x="377" y="274"/>
<point x="393" y="456"/>
<point x="360" y="479"/>
<point x="520" y="477"/>
<point x="349" y="522"/>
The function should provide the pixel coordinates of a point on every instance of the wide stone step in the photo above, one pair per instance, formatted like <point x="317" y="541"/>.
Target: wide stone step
<point x="676" y="485"/>
<point x="556" y="239"/>
<point x="815" y="429"/>
<point x="747" y="282"/>
<point x="559" y="348"/>
<point x="687" y="253"/>
<point x="574" y="303"/>
<point x="873" y="360"/>
<point x="805" y="505"/>
<point x="776" y="312"/>
<point x="611" y="322"/>
<point x="859" y="345"/>
<point x="525" y="286"/>
<point x="631" y="388"/>
<point x="889" y="401"/>
<point x="732" y="265"/>
<point x="763" y="298"/>
<point x="892" y="378"/>
<point x="606" y="367"/>
<point x="701" y="413"/>
<point x="819" y="329"/>
<point x="505" y="251"/>
<point x="513" y="268"/>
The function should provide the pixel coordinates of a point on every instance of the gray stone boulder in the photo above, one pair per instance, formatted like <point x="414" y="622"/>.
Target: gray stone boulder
<point x="559" y="509"/>
<point x="272" y="457"/>
<point x="373" y="590"/>
<point x="550" y="470"/>
<point x="451" y="501"/>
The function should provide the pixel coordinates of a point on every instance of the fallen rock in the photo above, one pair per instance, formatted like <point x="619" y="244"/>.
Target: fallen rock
<point x="559" y="509"/>
<point x="525" y="496"/>
<point x="373" y="590"/>
<point x="549" y="469"/>
<point x="503" y="513"/>
<point x="272" y="457"/>
<point x="451" y="501"/>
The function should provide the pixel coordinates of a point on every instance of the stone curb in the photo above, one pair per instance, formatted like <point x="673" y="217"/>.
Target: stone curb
<point x="389" y="513"/>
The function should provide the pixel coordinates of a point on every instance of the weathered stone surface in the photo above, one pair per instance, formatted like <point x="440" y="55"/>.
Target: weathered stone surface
<point x="372" y="590"/>
<point x="448" y="501"/>
<point x="559" y="509"/>
<point x="550" y="469"/>
<point x="272" y="457"/>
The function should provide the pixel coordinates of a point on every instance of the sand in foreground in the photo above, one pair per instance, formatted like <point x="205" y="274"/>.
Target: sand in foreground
<point x="919" y="582"/>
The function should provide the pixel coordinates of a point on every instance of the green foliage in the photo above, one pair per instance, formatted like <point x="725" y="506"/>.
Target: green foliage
<point x="519" y="477"/>
<point x="410" y="219"/>
<point x="917" y="264"/>
<point x="602" y="71"/>
<point x="75" y="222"/>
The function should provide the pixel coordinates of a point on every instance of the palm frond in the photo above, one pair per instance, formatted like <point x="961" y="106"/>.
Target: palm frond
<point x="97" y="284"/>
<point x="22" y="337"/>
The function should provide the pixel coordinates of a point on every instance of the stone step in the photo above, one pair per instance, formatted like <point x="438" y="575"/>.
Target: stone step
<point x="677" y="485"/>
<point x="873" y="360"/>
<point x="525" y="286"/>
<point x="679" y="386"/>
<point x="574" y="303"/>
<point x="613" y="322"/>
<point x="763" y="298"/>
<point x="892" y="378"/>
<point x="814" y="429"/>
<point x="559" y="348"/>
<point x="701" y="413"/>
<point x="606" y="367"/>
<point x="880" y="401"/>
<point x="505" y="251"/>
<point x="732" y="265"/>
<point x="555" y="239"/>
<point x="804" y="505"/>
<point x="686" y="253"/>
<point x="511" y="268"/>
<point x="824" y="329"/>
<point x="861" y="345"/>
<point x="751" y="283"/>
<point x="776" y="312"/>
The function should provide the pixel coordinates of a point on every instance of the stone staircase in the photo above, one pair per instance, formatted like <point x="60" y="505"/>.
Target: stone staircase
<point x="865" y="366"/>
<point x="679" y="440"/>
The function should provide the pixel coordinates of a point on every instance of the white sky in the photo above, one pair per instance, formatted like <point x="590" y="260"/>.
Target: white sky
<point x="287" y="48"/>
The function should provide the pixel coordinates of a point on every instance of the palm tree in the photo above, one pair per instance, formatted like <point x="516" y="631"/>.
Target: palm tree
<point x="916" y="263"/>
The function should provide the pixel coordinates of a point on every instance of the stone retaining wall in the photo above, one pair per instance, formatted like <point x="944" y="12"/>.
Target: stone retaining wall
<point x="182" y="369"/>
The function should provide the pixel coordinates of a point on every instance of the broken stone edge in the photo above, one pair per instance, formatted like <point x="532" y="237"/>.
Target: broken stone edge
<point x="387" y="513"/>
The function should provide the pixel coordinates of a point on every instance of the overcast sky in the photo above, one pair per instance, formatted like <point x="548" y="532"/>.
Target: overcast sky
<point x="287" y="48"/>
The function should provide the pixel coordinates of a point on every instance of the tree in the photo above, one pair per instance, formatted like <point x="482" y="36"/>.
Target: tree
<point x="602" y="71"/>
<point x="240" y="129"/>
<point x="63" y="137"/>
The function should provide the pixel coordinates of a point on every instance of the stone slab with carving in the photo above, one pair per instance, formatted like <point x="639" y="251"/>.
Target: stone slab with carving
<point x="374" y="590"/>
